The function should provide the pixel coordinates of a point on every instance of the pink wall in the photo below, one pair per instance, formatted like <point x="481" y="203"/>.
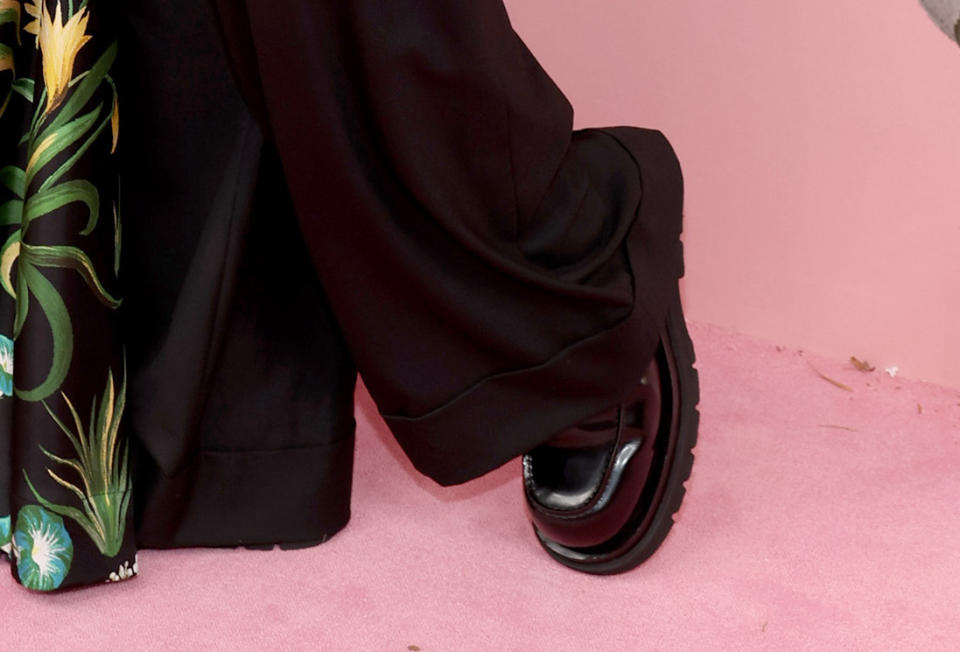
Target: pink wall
<point x="821" y="147"/>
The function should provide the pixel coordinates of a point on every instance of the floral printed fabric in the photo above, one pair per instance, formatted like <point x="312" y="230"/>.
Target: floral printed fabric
<point x="5" y="534"/>
<point x="43" y="549"/>
<point x="65" y="487"/>
<point x="6" y="366"/>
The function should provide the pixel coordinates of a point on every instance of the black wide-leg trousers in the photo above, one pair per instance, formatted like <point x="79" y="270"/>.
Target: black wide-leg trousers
<point x="214" y="214"/>
<point x="496" y="275"/>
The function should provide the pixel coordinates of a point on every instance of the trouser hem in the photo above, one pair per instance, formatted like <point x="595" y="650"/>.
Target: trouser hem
<point x="507" y="414"/>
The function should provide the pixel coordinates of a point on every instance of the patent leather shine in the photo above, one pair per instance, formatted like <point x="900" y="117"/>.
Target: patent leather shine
<point x="597" y="497"/>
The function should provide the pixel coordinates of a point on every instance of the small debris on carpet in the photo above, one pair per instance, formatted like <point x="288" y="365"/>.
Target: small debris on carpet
<point x="892" y="371"/>
<point x="919" y="409"/>
<point x="861" y="365"/>
<point x="413" y="648"/>
<point x="835" y="383"/>
<point x="764" y="627"/>
<point x="836" y="427"/>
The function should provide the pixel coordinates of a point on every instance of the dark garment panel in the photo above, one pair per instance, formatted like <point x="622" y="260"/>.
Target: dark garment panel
<point x="307" y="188"/>
<point x="234" y="354"/>
<point x="463" y="232"/>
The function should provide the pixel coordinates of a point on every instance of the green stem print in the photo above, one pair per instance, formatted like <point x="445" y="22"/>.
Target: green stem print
<point x="58" y="124"/>
<point x="100" y="464"/>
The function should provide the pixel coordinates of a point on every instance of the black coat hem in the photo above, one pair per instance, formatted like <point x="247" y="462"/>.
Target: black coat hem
<point x="290" y="496"/>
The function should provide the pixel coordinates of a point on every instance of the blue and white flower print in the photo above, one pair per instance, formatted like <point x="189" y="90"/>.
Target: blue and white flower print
<point x="42" y="547"/>
<point x="5" y="534"/>
<point x="6" y="366"/>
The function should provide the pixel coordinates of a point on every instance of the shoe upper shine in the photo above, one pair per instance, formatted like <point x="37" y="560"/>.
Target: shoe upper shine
<point x="584" y="484"/>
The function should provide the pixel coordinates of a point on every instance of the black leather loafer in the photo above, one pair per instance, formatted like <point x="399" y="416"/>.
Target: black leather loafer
<point x="602" y="494"/>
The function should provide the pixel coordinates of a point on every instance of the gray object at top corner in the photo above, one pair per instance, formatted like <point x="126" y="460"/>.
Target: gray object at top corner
<point x="946" y="14"/>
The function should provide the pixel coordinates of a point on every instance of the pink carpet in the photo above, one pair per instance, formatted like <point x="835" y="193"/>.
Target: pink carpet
<point x="816" y="518"/>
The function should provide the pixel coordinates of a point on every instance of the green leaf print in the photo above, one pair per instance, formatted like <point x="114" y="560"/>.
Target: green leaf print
<point x="62" y="330"/>
<point x="60" y="127"/>
<point x="100" y="467"/>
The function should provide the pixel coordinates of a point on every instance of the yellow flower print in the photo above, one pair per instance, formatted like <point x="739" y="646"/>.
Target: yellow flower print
<point x="33" y="9"/>
<point x="59" y="45"/>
